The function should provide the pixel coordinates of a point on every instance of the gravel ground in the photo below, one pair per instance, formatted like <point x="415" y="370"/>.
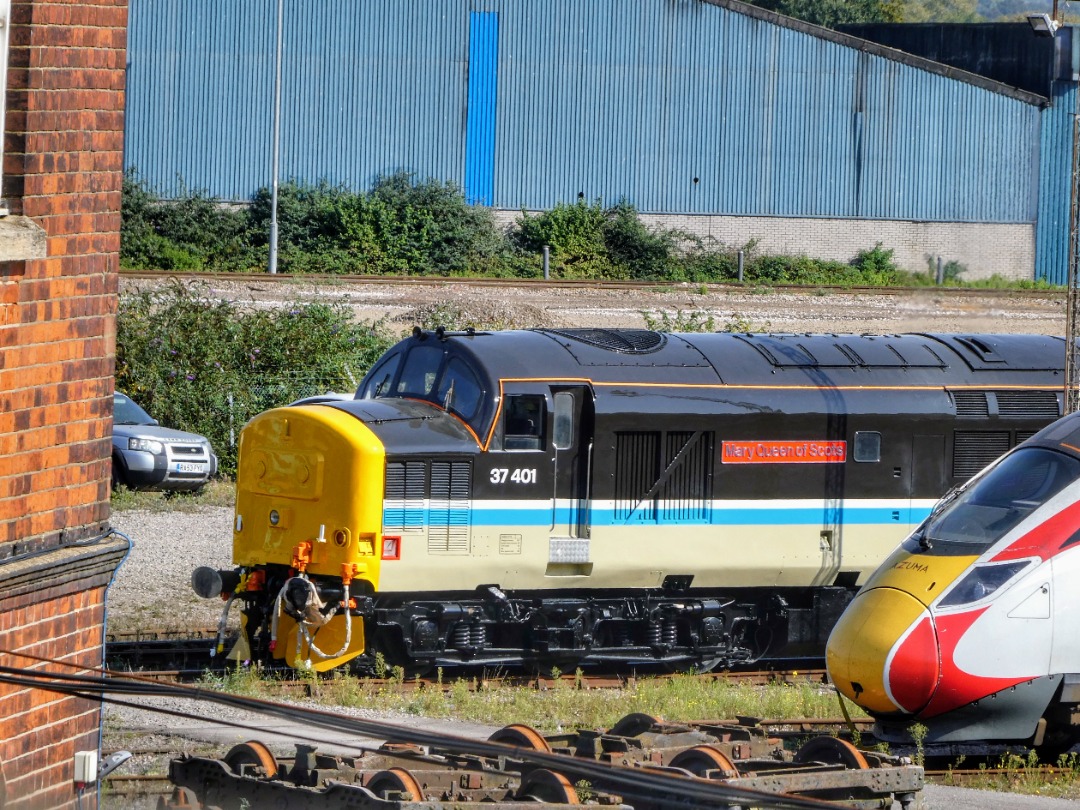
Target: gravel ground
<point x="152" y="590"/>
<point x="763" y="309"/>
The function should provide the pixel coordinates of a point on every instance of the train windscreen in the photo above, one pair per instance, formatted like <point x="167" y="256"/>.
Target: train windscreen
<point x="983" y="513"/>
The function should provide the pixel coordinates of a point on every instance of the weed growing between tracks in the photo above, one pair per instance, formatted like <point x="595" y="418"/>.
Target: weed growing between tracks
<point x="566" y="705"/>
<point x="1014" y="773"/>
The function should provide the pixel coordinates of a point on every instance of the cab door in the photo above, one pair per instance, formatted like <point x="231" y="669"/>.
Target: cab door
<point x="572" y="415"/>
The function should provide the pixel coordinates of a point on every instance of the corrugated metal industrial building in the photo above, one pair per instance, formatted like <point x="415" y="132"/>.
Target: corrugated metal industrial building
<point x="714" y="115"/>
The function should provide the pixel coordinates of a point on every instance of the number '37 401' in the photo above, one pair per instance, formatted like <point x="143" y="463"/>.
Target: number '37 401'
<point x="519" y="475"/>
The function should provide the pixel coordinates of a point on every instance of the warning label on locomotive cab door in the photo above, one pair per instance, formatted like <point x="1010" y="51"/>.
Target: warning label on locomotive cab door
<point x="811" y="451"/>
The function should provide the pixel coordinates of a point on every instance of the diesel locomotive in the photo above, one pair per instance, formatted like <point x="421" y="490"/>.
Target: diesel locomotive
<point x="568" y="497"/>
<point x="969" y="626"/>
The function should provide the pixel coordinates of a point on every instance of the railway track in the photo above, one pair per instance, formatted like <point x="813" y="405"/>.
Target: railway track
<point x="586" y="284"/>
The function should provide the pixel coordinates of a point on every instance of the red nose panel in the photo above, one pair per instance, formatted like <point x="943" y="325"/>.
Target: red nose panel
<point x="913" y="668"/>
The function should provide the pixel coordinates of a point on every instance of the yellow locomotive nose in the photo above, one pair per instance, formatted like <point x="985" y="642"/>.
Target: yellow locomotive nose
<point x="881" y="629"/>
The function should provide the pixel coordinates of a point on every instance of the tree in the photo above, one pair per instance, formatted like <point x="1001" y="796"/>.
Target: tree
<point x="943" y="11"/>
<point x="831" y="13"/>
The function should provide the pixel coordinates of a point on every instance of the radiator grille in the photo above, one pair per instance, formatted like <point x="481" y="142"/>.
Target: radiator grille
<point x="636" y="463"/>
<point x="973" y="450"/>
<point x="448" y="510"/>
<point x="1010" y="404"/>
<point x="623" y="341"/>
<point x="685" y="495"/>
<point x="971" y="403"/>
<point x="406" y="485"/>
<point x="1028" y="403"/>
<point x="673" y="485"/>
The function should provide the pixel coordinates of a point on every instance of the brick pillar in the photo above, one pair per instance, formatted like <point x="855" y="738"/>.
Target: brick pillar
<point x="63" y="144"/>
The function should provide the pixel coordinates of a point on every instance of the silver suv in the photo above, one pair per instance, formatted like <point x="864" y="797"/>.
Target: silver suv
<point x="148" y="456"/>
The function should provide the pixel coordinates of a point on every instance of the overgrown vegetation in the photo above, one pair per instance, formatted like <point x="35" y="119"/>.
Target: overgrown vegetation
<point x="218" y="492"/>
<point x="563" y="707"/>
<point x="402" y="226"/>
<point x="207" y="365"/>
<point x="1026" y="774"/>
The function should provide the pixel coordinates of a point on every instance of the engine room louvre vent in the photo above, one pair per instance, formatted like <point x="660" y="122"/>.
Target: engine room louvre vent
<point x="973" y="450"/>
<point x="971" y="403"/>
<point x="449" y="507"/>
<point x="1028" y="403"/>
<point x="623" y="341"/>
<point x="406" y="486"/>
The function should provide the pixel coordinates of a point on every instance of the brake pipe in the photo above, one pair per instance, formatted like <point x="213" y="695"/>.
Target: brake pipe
<point x="310" y="639"/>
<point x="219" y="647"/>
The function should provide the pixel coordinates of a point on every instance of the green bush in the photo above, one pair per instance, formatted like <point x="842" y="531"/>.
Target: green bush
<point x="192" y="232"/>
<point x="575" y="234"/>
<point x="205" y="365"/>
<point x="399" y="227"/>
<point x="403" y="226"/>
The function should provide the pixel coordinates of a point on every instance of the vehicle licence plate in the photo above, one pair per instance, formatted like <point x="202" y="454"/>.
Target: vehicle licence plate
<point x="189" y="467"/>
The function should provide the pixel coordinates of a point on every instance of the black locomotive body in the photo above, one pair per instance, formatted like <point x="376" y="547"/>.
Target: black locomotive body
<point x="564" y="497"/>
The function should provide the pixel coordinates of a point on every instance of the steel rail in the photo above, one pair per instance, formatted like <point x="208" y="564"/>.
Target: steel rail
<point x="596" y="284"/>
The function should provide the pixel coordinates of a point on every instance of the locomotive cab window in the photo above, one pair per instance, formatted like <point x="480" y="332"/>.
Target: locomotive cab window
<point x="459" y="390"/>
<point x="982" y="513"/>
<point x="381" y="378"/>
<point x="564" y="420"/>
<point x="867" y="445"/>
<point x="523" y="425"/>
<point x="419" y="373"/>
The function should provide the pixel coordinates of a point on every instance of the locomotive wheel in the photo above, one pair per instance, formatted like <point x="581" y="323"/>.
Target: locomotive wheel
<point x="831" y="751"/>
<point x="396" y="780"/>
<point x="543" y="785"/>
<point x="521" y="736"/>
<point x="701" y="759"/>
<point x="634" y="724"/>
<point x="254" y="753"/>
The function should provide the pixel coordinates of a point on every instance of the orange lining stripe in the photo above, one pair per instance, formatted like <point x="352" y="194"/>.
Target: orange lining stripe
<point x="733" y="387"/>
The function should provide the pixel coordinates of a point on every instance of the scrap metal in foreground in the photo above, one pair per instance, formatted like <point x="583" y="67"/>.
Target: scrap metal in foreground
<point x="641" y="763"/>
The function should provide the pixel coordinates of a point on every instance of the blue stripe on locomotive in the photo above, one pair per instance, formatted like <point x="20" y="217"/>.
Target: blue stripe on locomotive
<point x="479" y="516"/>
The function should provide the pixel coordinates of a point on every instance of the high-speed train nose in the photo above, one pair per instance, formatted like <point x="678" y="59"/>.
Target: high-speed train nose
<point x="885" y="630"/>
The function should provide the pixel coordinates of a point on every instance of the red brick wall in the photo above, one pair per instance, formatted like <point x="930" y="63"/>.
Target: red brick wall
<point x="63" y="169"/>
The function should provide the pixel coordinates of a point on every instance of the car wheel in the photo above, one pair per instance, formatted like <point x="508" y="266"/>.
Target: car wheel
<point x="118" y="479"/>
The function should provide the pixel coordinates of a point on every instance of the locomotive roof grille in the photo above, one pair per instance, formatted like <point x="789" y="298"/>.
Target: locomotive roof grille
<point x="623" y="341"/>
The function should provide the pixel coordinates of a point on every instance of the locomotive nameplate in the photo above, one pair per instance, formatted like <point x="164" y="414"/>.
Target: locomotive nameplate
<point x="787" y="452"/>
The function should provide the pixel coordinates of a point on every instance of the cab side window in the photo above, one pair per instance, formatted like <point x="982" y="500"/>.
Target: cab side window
<point x="523" y="422"/>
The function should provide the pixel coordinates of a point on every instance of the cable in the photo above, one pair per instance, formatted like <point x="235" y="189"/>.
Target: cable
<point x="630" y="782"/>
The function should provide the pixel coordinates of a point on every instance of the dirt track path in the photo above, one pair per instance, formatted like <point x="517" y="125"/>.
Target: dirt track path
<point x="532" y="305"/>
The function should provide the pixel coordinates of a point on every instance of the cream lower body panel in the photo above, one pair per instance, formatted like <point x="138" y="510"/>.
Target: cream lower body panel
<point x="752" y="554"/>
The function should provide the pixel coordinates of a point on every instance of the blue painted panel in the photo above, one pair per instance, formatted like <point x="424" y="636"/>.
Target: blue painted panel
<point x="480" y="112"/>
<point x="1052" y="233"/>
<point x="678" y="107"/>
